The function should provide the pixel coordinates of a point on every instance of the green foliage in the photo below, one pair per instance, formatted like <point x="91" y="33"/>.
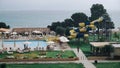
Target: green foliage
<point x="68" y="23"/>
<point x="116" y="35"/>
<point x="67" y="33"/>
<point x="33" y="54"/>
<point x="64" y="54"/>
<point x="54" y="25"/>
<point x="108" y="65"/>
<point x="3" y="25"/>
<point x="102" y="39"/>
<point x="56" y="65"/>
<point x="79" y="17"/>
<point x="60" y="30"/>
<point x="85" y="47"/>
<point x="98" y="10"/>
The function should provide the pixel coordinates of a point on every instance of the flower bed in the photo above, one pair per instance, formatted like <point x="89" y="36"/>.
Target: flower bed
<point x="39" y="59"/>
<point x="40" y="56"/>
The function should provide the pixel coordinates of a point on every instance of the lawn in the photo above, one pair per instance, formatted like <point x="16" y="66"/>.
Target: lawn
<point x="66" y="54"/>
<point x="33" y="54"/>
<point x="108" y="65"/>
<point x="58" y="65"/>
<point x="85" y="47"/>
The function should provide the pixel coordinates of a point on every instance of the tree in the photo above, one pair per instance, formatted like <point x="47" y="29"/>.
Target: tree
<point x="79" y="17"/>
<point x="54" y="25"/>
<point x="67" y="33"/>
<point x="68" y="22"/>
<point x="60" y="30"/>
<point x="3" y="25"/>
<point x="98" y="10"/>
<point x="116" y="36"/>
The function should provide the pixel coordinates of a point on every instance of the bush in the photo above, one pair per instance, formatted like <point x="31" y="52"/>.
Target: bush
<point x="70" y="57"/>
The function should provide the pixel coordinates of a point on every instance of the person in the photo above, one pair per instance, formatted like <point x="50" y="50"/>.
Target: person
<point x="24" y="46"/>
<point x="78" y="49"/>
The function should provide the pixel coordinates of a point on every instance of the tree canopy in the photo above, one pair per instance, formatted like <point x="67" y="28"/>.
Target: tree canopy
<point x="97" y="11"/>
<point x="3" y="25"/>
<point x="79" y="17"/>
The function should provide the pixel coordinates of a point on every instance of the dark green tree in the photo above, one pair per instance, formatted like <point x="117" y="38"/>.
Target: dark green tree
<point x="98" y="10"/>
<point x="54" y="25"/>
<point x="67" y="31"/>
<point x="68" y="22"/>
<point x="3" y="25"/>
<point x="79" y="17"/>
<point x="60" y="30"/>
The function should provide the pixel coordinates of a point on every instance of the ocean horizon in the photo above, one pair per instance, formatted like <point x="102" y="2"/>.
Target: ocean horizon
<point x="19" y="19"/>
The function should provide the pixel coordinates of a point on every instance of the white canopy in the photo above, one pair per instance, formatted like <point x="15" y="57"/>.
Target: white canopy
<point x="116" y="45"/>
<point x="99" y="44"/>
<point x="63" y="39"/>
<point x="37" y="32"/>
<point x="14" y="33"/>
<point x="26" y="42"/>
<point x="50" y="42"/>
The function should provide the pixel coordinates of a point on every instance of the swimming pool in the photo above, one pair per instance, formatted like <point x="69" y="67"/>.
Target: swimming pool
<point x="20" y="44"/>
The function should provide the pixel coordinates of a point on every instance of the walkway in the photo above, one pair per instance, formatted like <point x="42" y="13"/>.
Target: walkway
<point x="83" y="59"/>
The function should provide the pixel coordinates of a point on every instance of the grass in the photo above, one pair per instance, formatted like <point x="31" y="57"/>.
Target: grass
<point x="66" y="54"/>
<point x="85" y="47"/>
<point x="58" y="65"/>
<point x="3" y="55"/>
<point x="33" y="54"/>
<point x="108" y="65"/>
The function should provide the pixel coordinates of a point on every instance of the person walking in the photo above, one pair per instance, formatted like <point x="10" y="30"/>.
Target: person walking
<point x="78" y="49"/>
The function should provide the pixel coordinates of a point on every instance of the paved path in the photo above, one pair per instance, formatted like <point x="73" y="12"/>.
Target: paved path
<point x="83" y="59"/>
<point x="105" y="61"/>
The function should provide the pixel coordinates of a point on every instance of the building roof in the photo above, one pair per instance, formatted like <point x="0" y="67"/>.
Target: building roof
<point x="99" y="44"/>
<point x="4" y="30"/>
<point x="102" y="44"/>
<point x="116" y="45"/>
<point x="21" y="30"/>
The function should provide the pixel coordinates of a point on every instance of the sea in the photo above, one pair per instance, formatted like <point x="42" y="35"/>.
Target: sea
<point x="43" y="18"/>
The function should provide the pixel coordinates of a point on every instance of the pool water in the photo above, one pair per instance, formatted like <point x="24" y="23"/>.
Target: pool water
<point x="20" y="44"/>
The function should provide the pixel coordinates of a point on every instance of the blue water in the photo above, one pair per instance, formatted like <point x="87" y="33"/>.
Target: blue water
<point x="20" y="44"/>
<point x="44" y="18"/>
<point x="32" y="18"/>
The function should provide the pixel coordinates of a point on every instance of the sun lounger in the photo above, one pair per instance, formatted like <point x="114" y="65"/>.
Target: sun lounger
<point x="26" y="51"/>
<point x="10" y="57"/>
<point x="19" y="51"/>
<point x="9" y="52"/>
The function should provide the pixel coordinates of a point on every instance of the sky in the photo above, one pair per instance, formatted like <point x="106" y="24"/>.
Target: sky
<point x="57" y="4"/>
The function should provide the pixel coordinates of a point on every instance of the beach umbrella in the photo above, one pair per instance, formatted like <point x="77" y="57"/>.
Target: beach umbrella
<point x="63" y="39"/>
<point x="26" y="33"/>
<point x="27" y="42"/>
<point x="14" y="33"/>
<point x="37" y="32"/>
<point x="7" y="32"/>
